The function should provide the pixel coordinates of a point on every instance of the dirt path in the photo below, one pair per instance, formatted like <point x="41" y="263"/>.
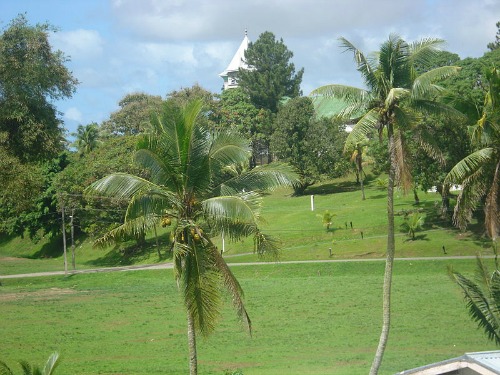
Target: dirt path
<point x="169" y="265"/>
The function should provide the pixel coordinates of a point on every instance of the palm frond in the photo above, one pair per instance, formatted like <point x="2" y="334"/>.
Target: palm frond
<point x="234" y="288"/>
<point x="364" y="126"/>
<point x="363" y="64"/>
<point x="266" y="246"/>
<point x="395" y="96"/>
<point x="51" y="364"/>
<point x="480" y="301"/>
<point x="469" y="165"/>
<point x="221" y="211"/>
<point x="351" y="95"/>
<point x="120" y="185"/>
<point x="422" y="51"/>
<point x="423" y="85"/>
<point x="401" y="164"/>
<point x="492" y="205"/>
<point x="201" y="288"/>
<point x="132" y="228"/>
<point x="4" y="369"/>
<point x="262" y="178"/>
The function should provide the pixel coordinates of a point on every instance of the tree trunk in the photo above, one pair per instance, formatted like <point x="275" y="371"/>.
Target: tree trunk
<point x="386" y="304"/>
<point x="193" y="358"/>
<point x="415" y="197"/>
<point x="362" y="188"/>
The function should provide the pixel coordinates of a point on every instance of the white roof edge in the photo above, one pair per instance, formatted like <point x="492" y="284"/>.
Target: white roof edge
<point x="237" y="61"/>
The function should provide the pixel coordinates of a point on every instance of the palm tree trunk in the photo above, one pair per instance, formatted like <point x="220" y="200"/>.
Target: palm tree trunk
<point x="193" y="358"/>
<point x="386" y="298"/>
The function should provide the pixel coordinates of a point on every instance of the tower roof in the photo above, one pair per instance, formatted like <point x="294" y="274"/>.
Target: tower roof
<point x="238" y="60"/>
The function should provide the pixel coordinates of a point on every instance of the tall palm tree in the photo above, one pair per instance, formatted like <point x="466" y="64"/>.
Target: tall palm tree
<point x="192" y="186"/>
<point x="48" y="369"/>
<point x="87" y="138"/>
<point x="482" y="296"/>
<point x="393" y="102"/>
<point x="479" y="172"/>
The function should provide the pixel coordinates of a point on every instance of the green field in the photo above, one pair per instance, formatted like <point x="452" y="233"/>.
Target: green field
<point x="310" y="318"/>
<point x="307" y="319"/>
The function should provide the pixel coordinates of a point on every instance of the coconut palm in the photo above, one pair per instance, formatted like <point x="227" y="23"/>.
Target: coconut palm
<point x="479" y="172"/>
<point x="482" y="296"/>
<point x="48" y="369"/>
<point x="413" y="223"/>
<point x="192" y="188"/>
<point x="392" y="104"/>
<point x="87" y="138"/>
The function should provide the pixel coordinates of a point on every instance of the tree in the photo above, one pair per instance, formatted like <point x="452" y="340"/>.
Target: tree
<point x="482" y="296"/>
<point x="31" y="76"/>
<point x="413" y="223"/>
<point x="391" y="104"/>
<point x="496" y="44"/>
<point x="312" y="146"/>
<point x="236" y="111"/>
<point x="189" y="185"/>
<point x="48" y="369"/>
<point x="479" y="172"/>
<point x="270" y="75"/>
<point x="133" y="116"/>
<point x="87" y="138"/>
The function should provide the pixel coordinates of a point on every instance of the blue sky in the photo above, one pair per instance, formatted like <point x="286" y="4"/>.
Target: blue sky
<point x="157" y="46"/>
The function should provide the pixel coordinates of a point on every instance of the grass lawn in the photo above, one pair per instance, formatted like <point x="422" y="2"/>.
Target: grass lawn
<point x="307" y="319"/>
<point x="313" y="318"/>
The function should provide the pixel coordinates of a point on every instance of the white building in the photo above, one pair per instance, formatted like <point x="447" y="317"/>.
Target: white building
<point x="230" y="74"/>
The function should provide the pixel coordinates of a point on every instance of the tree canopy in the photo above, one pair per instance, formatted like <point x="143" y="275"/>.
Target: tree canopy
<point x="270" y="75"/>
<point x="31" y="76"/>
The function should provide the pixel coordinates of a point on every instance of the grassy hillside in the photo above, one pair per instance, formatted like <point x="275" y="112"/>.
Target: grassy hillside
<point x="289" y="219"/>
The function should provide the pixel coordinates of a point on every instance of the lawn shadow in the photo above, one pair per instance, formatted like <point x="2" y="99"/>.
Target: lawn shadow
<point x="332" y="188"/>
<point x="129" y="253"/>
<point x="52" y="249"/>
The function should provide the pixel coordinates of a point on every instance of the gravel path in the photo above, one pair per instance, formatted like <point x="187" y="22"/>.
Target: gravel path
<point x="170" y="265"/>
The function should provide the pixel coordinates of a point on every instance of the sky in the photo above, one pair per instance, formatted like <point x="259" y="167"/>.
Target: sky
<point x="117" y="47"/>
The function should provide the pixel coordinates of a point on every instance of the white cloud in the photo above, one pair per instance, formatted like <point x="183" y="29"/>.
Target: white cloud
<point x="79" y="44"/>
<point x="73" y="114"/>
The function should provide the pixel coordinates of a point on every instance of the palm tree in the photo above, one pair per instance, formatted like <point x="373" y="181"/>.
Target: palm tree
<point x="48" y="369"/>
<point x="479" y="172"/>
<point x="392" y="103"/>
<point x="413" y="223"/>
<point x="87" y="138"/>
<point x="482" y="297"/>
<point x="192" y="187"/>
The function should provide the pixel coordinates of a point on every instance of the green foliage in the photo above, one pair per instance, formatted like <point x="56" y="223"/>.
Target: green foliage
<point x="413" y="223"/>
<point x="133" y="116"/>
<point x="31" y="77"/>
<point x="96" y="215"/>
<point x="312" y="146"/>
<point x="496" y="44"/>
<point x="479" y="172"/>
<point x="28" y="369"/>
<point x="482" y="297"/>
<point x="87" y="138"/>
<point x="185" y="162"/>
<point x="271" y="76"/>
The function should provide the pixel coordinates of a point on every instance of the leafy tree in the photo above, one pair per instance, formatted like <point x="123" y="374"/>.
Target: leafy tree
<point x="270" y="76"/>
<point x="235" y="111"/>
<point x="97" y="215"/>
<point x="87" y="138"/>
<point x="482" y="296"/>
<point x="133" y="116"/>
<point x="496" y="44"/>
<point x="189" y="185"/>
<point x="313" y="147"/>
<point x="479" y="172"/>
<point x="31" y="76"/>
<point x="395" y="97"/>
<point x="48" y="369"/>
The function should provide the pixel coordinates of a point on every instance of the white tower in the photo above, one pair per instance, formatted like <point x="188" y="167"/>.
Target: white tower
<point x="230" y="74"/>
